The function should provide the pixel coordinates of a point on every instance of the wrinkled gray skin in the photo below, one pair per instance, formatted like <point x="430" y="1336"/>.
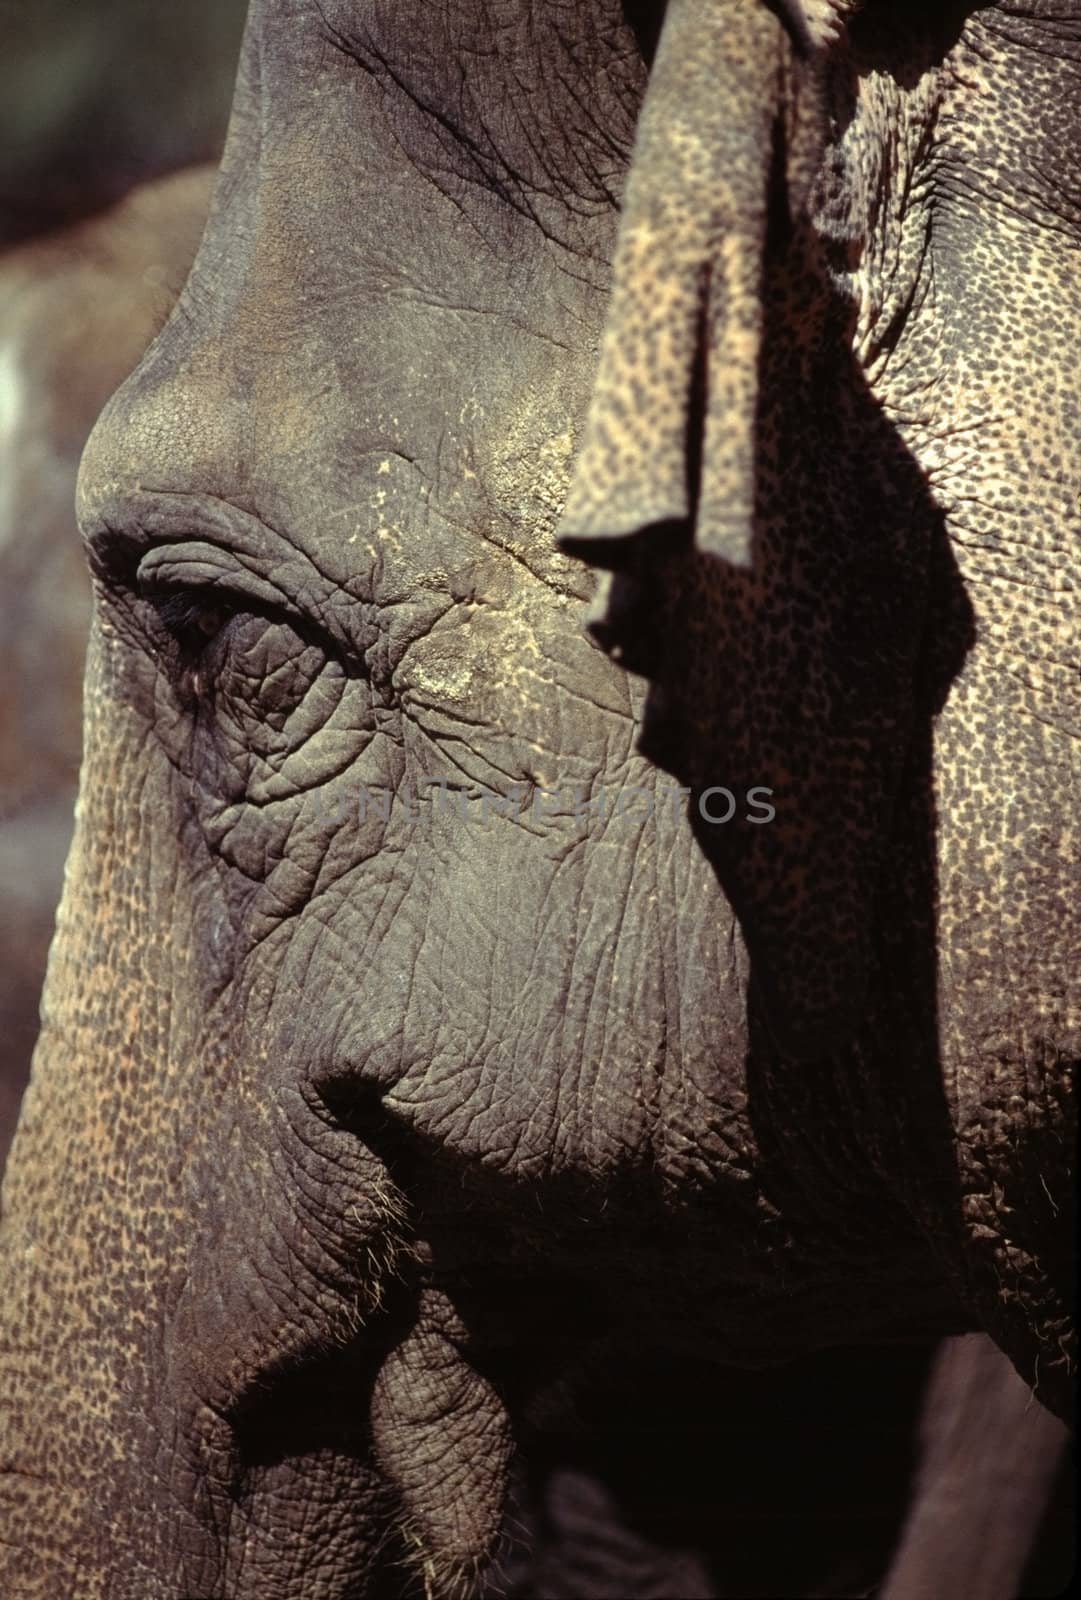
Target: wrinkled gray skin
<point x="357" y="1144"/>
<point x="77" y="310"/>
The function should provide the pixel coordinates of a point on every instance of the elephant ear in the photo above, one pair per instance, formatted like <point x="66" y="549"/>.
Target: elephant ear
<point x="764" y="555"/>
<point x="670" y="434"/>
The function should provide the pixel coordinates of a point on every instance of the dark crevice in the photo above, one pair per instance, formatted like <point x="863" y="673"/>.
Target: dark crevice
<point x="645" y="18"/>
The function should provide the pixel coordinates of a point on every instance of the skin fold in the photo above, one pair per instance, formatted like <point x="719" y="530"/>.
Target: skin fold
<point x="372" y="1127"/>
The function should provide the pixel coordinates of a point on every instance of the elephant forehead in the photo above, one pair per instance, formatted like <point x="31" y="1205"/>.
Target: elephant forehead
<point x="534" y="113"/>
<point x="297" y="381"/>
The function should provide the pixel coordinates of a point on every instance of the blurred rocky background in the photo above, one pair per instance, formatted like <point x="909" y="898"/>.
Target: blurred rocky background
<point x="99" y="95"/>
<point x="112" y="113"/>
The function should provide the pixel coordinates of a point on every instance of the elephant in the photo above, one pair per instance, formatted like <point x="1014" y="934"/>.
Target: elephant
<point x="420" y="1059"/>
<point x="79" y="308"/>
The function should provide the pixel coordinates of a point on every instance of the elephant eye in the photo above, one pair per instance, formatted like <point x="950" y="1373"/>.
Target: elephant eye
<point x="192" y="622"/>
<point x="190" y="617"/>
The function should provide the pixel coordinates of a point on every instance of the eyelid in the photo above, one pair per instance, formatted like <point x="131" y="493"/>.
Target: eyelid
<point x="233" y="577"/>
<point x="206" y="577"/>
<point x="202" y="570"/>
<point x="200" y="538"/>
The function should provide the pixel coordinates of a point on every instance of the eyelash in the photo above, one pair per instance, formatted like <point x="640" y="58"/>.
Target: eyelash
<point x="193" y="620"/>
<point x="186" y="614"/>
<point x="192" y="626"/>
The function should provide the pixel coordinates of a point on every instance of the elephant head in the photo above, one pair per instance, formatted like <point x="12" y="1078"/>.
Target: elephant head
<point x="421" y="1039"/>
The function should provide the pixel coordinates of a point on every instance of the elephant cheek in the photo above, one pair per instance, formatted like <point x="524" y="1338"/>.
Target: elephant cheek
<point x="442" y="1438"/>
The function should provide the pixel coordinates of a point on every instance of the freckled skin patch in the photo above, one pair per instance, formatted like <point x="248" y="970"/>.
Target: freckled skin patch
<point x="945" y="274"/>
<point x="354" y="1140"/>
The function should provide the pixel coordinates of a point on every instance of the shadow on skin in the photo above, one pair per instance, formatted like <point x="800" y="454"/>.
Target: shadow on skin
<point x="786" y="1479"/>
